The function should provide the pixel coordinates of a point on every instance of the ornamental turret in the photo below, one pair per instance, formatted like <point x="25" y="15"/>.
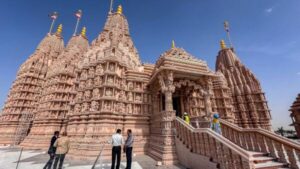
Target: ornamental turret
<point x="58" y="93"/>
<point x="249" y="102"/>
<point x="26" y="89"/>
<point x="295" y="114"/>
<point x="111" y="90"/>
<point x="115" y="43"/>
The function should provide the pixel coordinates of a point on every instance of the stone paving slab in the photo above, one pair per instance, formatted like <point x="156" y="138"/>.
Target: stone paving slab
<point x="37" y="160"/>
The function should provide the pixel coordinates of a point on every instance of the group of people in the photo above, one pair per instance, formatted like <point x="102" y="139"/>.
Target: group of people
<point x="117" y="141"/>
<point x="214" y="125"/>
<point x="59" y="147"/>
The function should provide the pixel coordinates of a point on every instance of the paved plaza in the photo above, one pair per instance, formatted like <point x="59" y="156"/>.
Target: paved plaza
<point x="37" y="159"/>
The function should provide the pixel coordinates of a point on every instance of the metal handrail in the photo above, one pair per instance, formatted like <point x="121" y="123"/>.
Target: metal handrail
<point x="99" y="155"/>
<point x="19" y="158"/>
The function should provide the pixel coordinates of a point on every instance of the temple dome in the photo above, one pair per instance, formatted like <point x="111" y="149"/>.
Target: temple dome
<point x="114" y="43"/>
<point x="245" y="90"/>
<point x="46" y="52"/>
<point x="78" y="41"/>
<point x="179" y="60"/>
<point x="227" y="58"/>
<point x="68" y="59"/>
<point x="180" y="53"/>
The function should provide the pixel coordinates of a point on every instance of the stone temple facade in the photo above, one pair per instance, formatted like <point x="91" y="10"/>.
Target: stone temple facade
<point x="90" y="90"/>
<point x="26" y="89"/>
<point x="249" y="103"/>
<point x="295" y="115"/>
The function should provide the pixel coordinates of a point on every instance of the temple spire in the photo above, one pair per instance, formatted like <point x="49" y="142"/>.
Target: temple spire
<point x="226" y="27"/>
<point x="222" y="44"/>
<point x="173" y="44"/>
<point x="120" y="9"/>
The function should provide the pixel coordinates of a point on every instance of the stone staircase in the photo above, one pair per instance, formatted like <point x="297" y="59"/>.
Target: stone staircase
<point x="264" y="161"/>
<point x="280" y="149"/>
<point x="239" y="148"/>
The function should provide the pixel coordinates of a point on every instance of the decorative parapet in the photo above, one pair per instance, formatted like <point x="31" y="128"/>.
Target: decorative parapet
<point x="262" y="140"/>
<point x="205" y="142"/>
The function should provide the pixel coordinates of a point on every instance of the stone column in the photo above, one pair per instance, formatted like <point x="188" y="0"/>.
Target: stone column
<point x="168" y="116"/>
<point x="168" y="100"/>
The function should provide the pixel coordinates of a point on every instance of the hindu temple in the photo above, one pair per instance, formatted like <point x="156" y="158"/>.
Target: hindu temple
<point x="91" y="89"/>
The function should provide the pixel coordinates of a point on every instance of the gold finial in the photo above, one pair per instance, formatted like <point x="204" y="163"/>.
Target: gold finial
<point x="222" y="44"/>
<point x="59" y="29"/>
<point x="173" y="44"/>
<point x="120" y="9"/>
<point x="83" y="32"/>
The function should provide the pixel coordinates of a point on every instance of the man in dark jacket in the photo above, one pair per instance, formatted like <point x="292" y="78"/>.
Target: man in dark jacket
<point x="51" y="150"/>
<point x="128" y="148"/>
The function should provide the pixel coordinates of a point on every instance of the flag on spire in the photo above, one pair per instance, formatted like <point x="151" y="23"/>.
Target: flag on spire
<point x="53" y="15"/>
<point x="78" y="14"/>
<point x="226" y="26"/>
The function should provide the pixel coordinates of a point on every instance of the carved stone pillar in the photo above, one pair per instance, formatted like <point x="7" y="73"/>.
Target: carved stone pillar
<point x="208" y="106"/>
<point x="168" y="153"/>
<point x="168" y="100"/>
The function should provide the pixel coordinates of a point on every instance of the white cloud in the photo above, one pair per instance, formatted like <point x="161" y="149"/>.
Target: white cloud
<point x="269" y="10"/>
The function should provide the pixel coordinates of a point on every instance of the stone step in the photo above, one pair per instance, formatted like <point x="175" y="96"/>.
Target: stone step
<point x="258" y="154"/>
<point x="263" y="159"/>
<point x="270" y="165"/>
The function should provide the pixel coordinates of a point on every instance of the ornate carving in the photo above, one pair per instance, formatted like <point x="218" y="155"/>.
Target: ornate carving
<point x="98" y="80"/>
<point x="94" y="106"/>
<point x="130" y="97"/>
<point x="130" y="86"/>
<point x="110" y="80"/>
<point x="109" y="92"/>
<point x="99" y="69"/>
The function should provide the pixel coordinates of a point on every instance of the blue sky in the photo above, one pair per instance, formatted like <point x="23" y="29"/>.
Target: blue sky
<point x="265" y="35"/>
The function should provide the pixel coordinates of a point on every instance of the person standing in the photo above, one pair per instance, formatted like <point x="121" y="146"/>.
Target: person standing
<point x="62" y="145"/>
<point x="128" y="148"/>
<point x="215" y="124"/>
<point x="116" y="141"/>
<point x="51" y="150"/>
<point x="186" y="118"/>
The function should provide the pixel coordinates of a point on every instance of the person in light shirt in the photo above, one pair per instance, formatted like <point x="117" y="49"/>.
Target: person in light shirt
<point x="116" y="141"/>
<point x="62" y="145"/>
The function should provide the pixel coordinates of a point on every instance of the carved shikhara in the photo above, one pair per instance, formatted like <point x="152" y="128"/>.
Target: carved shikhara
<point x="249" y="103"/>
<point x="295" y="114"/>
<point x="90" y="91"/>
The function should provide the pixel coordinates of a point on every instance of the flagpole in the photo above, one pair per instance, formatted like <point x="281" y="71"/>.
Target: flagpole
<point x="53" y="16"/>
<point x="229" y="39"/>
<point x="76" y="27"/>
<point x="226" y="26"/>
<point x="111" y="6"/>
<point x="78" y="15"/>
<point x="51" y="27"/>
